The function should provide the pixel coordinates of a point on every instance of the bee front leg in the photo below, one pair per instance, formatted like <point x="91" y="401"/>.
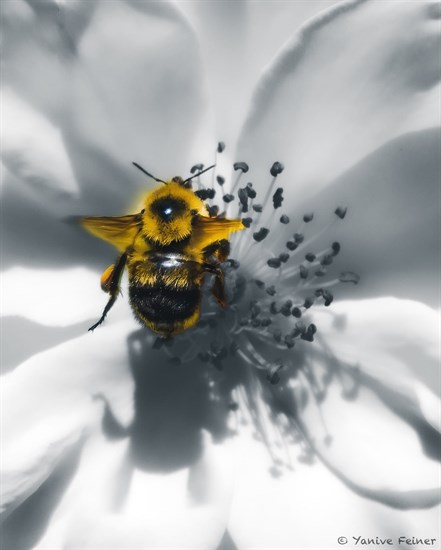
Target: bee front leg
<point x="110" y="282"/>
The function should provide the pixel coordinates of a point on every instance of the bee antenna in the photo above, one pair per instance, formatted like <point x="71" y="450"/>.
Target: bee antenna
<point x="198" y="174"/>
<point x="148" y="173"/>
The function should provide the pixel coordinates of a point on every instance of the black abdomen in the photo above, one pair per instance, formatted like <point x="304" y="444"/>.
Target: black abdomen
<point x="165" y="307"/>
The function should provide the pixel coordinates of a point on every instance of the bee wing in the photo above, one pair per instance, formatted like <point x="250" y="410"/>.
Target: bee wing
<point x="209" y="230"/>
<point x="121" y="231"/>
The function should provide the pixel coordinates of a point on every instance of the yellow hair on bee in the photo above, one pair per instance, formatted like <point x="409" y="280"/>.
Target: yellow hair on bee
<point x="179" y="226"/>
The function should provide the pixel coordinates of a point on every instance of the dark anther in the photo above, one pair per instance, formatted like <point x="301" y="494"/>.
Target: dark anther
<point x="321" y="272"/>
<point x="341" y="211"/>
<point x="261" y="234"/>
<point x="266" y="321"/>
<point x="220" y="180"/>
<point x="312" y="328"/>
<point x="298" y="238"/>
<point x="303" y="272"/>
<point x="255" y="309"/>
<point x="250" y="191"/>
<point x="271" y="290"/>
<point x="273" y="373"/>
<point x="205" y="194"/>
<point x="196" y="168"/>
<point x="217" y="363"/>
<point x="335" y="248"/>
<point x="319" y="292"/>
<point x="247" y="221"/>
<point x="257" y="207"/>
<point x="220" y="352"/>
<point x="233" y="263"/>
<point x="289" y="341"/>
<point x="243" y="198"/>
<point x="308" y="217"/>
<point x="349" y="277"/>
<point x="309" y="300"/>
<point x="273" y="308"/>
<point x="284" y="219"/>
<point x="228" y="198"/>
<point x="277" y="335"/>
<point x="310" y="257"/>
<point x="328" y="297"/>
<point x="241" y="166"/>
<point x="286" y="308"/>
<point x="274" y="262"/>
<point x="307" y="336"/>
<point x="291" y="245"/>
<point x="255" y="322"/>
<point x="327" y="259"/>
<point x="159" y="342"/>
<point x="234" y="346"/>
<point x="276" y="169"/>
<point x="213" y="211"/>
<point x="284" y="257"/>
<point x="296" y="312"/>
<point x="220" y="147"/>
<point x="278" y="197"/>
<point x="259" y="284"/>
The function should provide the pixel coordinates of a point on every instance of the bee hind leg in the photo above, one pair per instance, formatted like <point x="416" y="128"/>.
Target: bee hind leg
<point x="112" y="286"/>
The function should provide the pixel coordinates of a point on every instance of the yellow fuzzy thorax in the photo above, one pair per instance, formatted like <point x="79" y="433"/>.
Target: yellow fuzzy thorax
<point x="180" y="227"/>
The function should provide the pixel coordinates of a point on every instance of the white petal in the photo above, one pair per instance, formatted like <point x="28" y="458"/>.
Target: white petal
<point x="33" y="148"/>
<point x="186" y="508"/>
<point x="48" y="404"/>
<point x="310" y="508"/>
<point x="237" y="40"/>
<point x="337" y="91"/>
<point x="56" y="297"/>
<point x="376" y="413"/>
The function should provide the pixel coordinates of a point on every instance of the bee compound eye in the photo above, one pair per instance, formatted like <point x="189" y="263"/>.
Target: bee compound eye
<point x="167" y="208"/>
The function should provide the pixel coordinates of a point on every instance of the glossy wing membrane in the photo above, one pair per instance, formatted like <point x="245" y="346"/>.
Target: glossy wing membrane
<point x="120" y="231"/>
<point x="209" y="230"/>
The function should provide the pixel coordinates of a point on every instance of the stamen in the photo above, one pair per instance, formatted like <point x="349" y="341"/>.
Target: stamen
<point x="196" y="168"/>
<point x="258" y="236"/>
<point x="341" y="211"/>
<point x="241" y="168"/>
<point x="278" y="198"/>
<point x="349" y="277"/>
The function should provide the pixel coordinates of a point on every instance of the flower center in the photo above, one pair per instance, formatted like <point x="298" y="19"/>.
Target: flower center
<point x="260" y="346"/>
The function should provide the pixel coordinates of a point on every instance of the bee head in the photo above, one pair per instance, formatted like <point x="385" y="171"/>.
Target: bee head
<point x="169" y="212"/>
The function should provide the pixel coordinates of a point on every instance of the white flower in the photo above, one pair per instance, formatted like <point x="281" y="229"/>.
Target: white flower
<point x="109" y="443"/>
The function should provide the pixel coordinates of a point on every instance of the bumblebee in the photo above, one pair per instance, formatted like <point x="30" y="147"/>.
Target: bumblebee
<point x="168" y="248"/>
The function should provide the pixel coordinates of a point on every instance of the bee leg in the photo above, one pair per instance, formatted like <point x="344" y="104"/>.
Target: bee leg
<point x="219" y="249"/>
<point x="218" y="288"/>
<point x="112" y="287"/>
